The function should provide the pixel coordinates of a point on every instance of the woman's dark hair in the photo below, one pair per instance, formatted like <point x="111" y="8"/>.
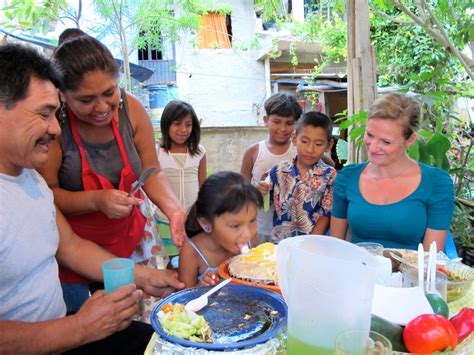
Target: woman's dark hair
<point x="79" y="56"/>
<point x="174" y="111"/>
<point x="70" y="33"/>
<point x="283" y="105"/>
<point x="222" y="192"/>
<point x="315" y="119"/>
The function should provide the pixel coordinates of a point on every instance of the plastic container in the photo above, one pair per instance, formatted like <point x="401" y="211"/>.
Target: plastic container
<point x="117" y="272"/>
<point x="158" y="96"/>
<point x="328" y="285"/>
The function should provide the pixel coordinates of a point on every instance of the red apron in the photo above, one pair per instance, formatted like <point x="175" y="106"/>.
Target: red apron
<point x="119" y="236"/>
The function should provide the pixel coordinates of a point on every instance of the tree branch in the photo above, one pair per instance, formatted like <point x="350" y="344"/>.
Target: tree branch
<point x="462" y="58"/>
<point x="439" y="35"/>
<point x="393" y="19"/>
<point x="79" y="13"/>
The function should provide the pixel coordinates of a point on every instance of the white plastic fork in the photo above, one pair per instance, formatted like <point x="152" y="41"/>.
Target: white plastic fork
<point x="200" y="302"/>
<point x="421" y="266"/>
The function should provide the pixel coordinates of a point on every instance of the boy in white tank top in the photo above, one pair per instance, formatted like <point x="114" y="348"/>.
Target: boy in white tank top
<point x="282" y="112"/>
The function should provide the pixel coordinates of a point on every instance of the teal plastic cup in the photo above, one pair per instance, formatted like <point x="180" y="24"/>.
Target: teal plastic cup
<point x="117" y="272"/>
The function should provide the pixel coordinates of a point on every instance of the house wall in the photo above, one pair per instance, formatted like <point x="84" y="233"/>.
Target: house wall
<point x="226" y="87"/>
<point x="225" y="146"/>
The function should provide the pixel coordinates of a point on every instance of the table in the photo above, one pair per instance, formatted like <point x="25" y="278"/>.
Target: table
<point x="467" y="346"/>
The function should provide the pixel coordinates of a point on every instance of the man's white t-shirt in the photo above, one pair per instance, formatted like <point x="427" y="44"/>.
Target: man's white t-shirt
<point x="29" y="284"/>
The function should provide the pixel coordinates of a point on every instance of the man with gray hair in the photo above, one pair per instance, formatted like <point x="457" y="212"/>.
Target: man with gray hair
<point x="34" y="235"/>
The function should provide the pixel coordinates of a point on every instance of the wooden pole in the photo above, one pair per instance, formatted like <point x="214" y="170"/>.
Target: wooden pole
<point x="361" y="69"/>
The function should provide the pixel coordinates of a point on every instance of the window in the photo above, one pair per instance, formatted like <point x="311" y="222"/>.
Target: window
<point x="215" y="31"/>
<point x="149" y="53"/>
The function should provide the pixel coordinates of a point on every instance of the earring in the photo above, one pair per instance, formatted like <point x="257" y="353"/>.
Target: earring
<point x="207" y="229"/>
<point x="120" y="105"/>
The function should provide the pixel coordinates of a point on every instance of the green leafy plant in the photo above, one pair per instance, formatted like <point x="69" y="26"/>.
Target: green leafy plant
<point x="32" y="15"/>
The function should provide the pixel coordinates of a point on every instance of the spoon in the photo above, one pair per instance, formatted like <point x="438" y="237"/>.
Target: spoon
<point x="402" y="260"/>
<point x="199" y="303"/>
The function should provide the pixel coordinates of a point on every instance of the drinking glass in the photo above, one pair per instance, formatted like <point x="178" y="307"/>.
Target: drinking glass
<point x="410" y="279"/>
<point x="372" y="248"/>
<point x="362" y="342"/>
<point x="118" y="272"/>
<point x="266" y="202"/>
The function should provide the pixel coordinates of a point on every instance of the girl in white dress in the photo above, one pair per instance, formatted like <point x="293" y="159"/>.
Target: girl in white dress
<point x="182" y="159"/>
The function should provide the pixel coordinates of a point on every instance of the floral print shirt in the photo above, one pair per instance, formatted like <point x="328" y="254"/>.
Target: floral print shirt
<point x="302" y="201"/>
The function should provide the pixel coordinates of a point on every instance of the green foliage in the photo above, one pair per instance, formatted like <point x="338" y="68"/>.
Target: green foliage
<point x="253" y="43"/>
<point x="462" y="222"/>
<point x="356" y="124"/>
<point x="448" y="24"/>
<point x="32" y="15"/>
<point x="223" y="9"/>
<point x="329" y="33"/>
<point x="408" y="56"/>
<point x="269" y="9"/>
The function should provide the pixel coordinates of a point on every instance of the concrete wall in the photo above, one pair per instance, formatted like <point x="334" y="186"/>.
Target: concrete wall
<point x="226" y="146"/>
<point x="226" y="87"/>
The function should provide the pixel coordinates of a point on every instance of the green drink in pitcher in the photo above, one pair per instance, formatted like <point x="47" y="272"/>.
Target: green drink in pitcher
<point x="294" y="346"/>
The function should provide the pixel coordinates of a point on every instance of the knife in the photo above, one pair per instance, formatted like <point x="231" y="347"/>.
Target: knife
<point x="141" y="180"/>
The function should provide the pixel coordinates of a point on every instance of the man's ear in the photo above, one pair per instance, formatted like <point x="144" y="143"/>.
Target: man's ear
<point x="265" y="119"/>
<point x="62" y="96"/>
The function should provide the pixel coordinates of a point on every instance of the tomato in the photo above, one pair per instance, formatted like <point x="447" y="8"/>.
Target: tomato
<point x="428" y="333"/>
<point x="167" y="308"/>
<point x="463" y="322"/>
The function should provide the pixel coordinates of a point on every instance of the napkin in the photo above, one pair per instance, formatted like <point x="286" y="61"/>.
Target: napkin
<point x="399" y="305"/>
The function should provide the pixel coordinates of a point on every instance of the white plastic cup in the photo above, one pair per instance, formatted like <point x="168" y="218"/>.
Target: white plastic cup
<point x="362" y="342"/>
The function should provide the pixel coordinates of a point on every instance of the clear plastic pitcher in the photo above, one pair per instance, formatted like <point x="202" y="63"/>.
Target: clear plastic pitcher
<point x="328" y="285"/>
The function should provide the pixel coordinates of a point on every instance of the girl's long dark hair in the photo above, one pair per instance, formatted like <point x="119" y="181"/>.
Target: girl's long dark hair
<point x="174" y="111"/>
<point x="222" y="192"/>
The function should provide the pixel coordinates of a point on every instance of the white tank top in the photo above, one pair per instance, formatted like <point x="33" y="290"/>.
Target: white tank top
<point x="182" y="172"/>
<point x="263" y="163"/>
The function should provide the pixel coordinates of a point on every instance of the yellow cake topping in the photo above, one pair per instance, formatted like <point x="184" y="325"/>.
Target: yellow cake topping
<point x="259" y="264"/>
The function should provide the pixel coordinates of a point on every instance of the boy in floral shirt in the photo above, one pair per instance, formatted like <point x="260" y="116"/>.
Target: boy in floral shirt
<point x="303" y="187"/>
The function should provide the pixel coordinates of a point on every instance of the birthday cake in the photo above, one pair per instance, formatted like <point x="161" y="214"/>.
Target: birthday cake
<point x="258" y="265"/>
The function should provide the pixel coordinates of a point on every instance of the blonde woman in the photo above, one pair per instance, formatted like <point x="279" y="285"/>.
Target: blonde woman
<point x="392" y="199"/>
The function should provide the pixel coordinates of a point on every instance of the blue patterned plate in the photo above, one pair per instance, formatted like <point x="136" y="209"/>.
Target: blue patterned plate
<point x="240" y="316"/>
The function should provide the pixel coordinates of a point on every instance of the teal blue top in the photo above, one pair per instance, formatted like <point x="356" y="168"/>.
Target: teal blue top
<point x="396" y="225"/>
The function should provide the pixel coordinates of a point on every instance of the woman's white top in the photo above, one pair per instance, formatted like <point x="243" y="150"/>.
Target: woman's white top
<point x="182" y="172"/>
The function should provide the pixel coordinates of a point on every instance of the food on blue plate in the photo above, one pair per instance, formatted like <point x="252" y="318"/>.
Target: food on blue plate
<point x="178" y="322"/>
<point x="258" y="265"/>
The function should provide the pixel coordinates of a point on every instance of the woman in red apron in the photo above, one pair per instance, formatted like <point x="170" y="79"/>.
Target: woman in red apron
<point x="107" y="141"/>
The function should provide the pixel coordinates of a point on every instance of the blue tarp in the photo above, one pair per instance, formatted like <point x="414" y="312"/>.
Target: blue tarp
<point x="136" y="71"/>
